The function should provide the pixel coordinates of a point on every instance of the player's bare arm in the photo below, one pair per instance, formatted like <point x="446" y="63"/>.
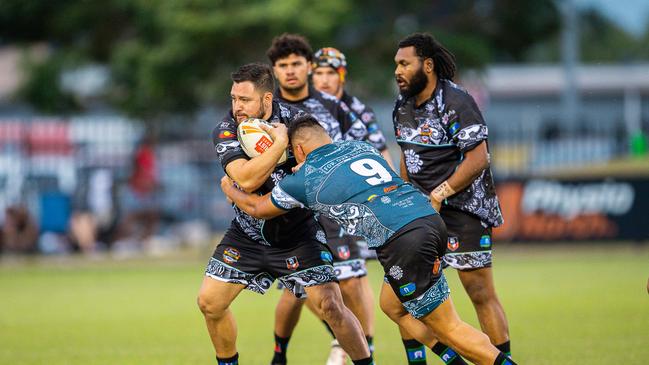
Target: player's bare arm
<point x="251" y="174"/>
<point x="258" y="206"/>
<point x="475" y="161"/>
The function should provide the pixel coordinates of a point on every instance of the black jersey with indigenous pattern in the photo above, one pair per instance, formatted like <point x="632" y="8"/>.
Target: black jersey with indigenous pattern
<point x="339" y="118"/>
<point x="283" y="231"/>
<point x="434" y="138"/>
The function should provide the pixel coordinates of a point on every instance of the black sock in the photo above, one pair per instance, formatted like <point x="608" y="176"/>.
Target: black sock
<point x="329" y="329"/>
<point x="366" y="361"/>
<point x="370" y="343"/>
<point x="234" y="360"/>
<point x="415" y="351"/>
<point x="505" y="348"/>
<point x="502" y="359"/>
<point x="448" y="355"/>
<point x="279" y="357"/>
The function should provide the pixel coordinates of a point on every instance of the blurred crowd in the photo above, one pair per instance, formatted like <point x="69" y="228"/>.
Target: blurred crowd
<point x="144" y="198"/>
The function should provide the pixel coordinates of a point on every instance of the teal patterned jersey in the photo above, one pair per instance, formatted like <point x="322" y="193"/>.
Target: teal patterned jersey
<point x="351" y="183"/>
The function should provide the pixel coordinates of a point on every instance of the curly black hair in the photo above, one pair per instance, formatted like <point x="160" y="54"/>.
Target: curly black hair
<point x="428" y="47"/>
<point x="286" y="44"/>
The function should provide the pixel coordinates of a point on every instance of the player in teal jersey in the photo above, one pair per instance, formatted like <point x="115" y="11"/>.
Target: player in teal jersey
<point x="352" y="184"/>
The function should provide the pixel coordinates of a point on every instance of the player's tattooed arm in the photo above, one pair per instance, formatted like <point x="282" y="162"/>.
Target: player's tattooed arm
<point x="258" y="206"/>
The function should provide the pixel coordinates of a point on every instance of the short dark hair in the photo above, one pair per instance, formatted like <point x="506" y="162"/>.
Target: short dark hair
<point x="299" y="124"/>
<point x="428" y="47"/>
<point x="286" y="44"/>
<point x="258" y="73"/>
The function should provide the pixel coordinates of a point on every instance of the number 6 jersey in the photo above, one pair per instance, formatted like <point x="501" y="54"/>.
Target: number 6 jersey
<point x="351" y="183"/>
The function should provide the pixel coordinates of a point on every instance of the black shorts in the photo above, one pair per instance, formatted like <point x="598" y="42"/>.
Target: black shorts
<point x="411" y="259"/>
<point x="347" y="250"/>
<point x="469" y="240"/>
<point x="238" y="259"/>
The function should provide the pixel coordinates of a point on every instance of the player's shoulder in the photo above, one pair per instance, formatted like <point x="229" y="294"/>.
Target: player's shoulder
<point x="226" y="128"/>
<point x="454" y="93"/>
<point x="327" y="100"/>
<point x="284" y="113"/>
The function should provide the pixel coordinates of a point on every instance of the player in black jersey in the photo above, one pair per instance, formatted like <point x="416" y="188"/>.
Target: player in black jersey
<point x="291" y="57"/>
<point x="255" y="252"/>
<point x="443" y="138"/>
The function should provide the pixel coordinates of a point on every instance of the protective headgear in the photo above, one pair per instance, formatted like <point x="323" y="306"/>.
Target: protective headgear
<point x="331" y="57"/>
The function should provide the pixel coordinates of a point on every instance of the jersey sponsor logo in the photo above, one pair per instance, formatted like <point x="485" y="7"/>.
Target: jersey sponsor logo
<point x="343" y="252"/>
<point x="326" y="256"/>
<point x="226" y="134"/>
<point x="485" y="241"/>
<point x="407" y="289"/>
<point x="292" y="263"/>
<point x="224" y="146"/>
<point x="231" y="255"/>
<point x="453" y="243"/>
<point x="262" y="144"/>
<point x="389" y="188"/>
<point x="396" y="272"/>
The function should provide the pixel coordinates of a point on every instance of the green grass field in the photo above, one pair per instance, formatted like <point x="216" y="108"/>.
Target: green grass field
<point x="566" y="305"/>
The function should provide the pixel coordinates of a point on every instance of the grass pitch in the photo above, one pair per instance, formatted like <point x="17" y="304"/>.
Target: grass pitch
<point x="566" y="305"/>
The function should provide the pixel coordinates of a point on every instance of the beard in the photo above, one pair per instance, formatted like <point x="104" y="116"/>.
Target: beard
<point x="416" y="84"/>
<point x="259" y="114"/>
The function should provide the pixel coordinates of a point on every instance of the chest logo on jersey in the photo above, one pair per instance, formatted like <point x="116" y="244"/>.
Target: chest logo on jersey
<point x="292" y="263"/>
<point x="231" y="255"/>
<point x="453" y="243"/>
<point x="343" y="252"/>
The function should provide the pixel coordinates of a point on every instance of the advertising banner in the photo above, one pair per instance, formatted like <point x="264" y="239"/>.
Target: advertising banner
<point x="564" y="209"/>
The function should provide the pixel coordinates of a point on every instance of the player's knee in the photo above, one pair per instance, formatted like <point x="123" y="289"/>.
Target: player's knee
<point x="210" y="307"/>
<point x="331" y="309"/>
<point x="391" y="311"/>
<point x="479" y="293"/>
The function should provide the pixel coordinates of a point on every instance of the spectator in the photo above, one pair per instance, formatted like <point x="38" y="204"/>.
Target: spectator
<point x="141" y="212"/>
<point x="19" y="232"/>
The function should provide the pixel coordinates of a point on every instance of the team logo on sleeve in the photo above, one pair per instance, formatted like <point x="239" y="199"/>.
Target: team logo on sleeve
<point x="226" y="134"/>
<point x="453" y="243"/>
<point x="343" y="252"/>
<point x="292" y="263"/>
<point x="231" y="255"/>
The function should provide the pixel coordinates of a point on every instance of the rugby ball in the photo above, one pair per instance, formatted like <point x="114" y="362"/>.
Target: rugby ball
<point x="253" y="140"/>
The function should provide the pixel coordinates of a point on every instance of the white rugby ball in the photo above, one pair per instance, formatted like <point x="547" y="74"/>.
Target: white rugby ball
<point x="253" y="140"/>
